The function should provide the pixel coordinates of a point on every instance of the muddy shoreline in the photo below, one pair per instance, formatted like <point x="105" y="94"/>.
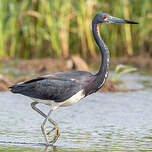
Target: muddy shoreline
<point x="14" y="71"/>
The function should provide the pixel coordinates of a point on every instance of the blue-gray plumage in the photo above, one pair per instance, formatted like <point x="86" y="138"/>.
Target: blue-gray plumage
<point x="58" y="87"/>
<point x="67" y="88"/>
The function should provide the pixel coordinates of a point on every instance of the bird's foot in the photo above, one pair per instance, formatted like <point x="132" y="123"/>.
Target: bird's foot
<point x="56" y="136"/>
<point x="50" y="131"/>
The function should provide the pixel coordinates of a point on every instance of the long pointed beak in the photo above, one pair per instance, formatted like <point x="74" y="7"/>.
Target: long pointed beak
<point x="118" y="20"/>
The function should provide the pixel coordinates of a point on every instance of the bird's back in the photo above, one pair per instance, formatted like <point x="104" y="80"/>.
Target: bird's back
<point x="58" y="87"/>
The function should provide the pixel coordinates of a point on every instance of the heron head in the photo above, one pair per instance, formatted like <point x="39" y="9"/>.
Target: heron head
<point x="106" y="18"/>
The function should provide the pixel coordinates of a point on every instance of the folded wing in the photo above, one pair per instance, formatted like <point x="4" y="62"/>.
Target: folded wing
<point x="48" y="88"/>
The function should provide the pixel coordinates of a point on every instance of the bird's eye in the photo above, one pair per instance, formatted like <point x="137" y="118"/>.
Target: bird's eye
<point x="105" y="17"/>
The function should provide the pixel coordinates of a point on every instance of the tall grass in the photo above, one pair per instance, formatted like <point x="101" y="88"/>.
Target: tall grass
<point x="41" y="28"/>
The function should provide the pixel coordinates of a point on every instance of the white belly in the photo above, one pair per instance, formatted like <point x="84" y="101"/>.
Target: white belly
<point x="74" y="99"/>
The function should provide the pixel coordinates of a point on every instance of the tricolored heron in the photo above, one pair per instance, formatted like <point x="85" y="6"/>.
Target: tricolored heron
<point x="67" y="88"/>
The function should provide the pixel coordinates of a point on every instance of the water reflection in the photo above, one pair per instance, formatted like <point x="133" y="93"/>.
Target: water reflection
<point x="38" y="146"/>
<point x="47" y="149"/>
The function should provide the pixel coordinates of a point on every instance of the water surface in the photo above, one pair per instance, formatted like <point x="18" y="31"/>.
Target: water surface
<point x="100" y="122"/>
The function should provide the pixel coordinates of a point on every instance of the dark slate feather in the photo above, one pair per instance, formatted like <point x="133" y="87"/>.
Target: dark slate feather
<point x="58" y="87"/>
<point x="79" y="76"/>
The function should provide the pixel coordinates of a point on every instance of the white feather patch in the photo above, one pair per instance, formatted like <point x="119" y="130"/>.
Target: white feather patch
<point x="74" y="99"/>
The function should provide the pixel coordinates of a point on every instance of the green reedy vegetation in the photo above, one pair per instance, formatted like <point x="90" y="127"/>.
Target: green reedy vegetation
<point x="59" y="28"/>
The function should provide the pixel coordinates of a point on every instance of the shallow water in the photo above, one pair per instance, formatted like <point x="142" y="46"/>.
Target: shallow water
<point x="100" y="122"/>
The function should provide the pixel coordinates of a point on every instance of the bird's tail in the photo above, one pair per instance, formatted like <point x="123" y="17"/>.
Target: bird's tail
<point x="17" y="88"/>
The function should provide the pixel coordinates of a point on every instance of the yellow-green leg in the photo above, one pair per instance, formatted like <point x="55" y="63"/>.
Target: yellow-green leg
<point x="56" y="128"/>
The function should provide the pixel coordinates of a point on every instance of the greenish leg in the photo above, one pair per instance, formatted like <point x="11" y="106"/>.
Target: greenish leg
<point x="56" y="128"/>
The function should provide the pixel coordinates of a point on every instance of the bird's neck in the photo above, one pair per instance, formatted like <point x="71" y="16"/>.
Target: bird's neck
<point x="102" y="74"/>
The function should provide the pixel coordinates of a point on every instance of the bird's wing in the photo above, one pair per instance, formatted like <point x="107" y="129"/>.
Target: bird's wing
<point x="78" y="76"/>
<point x="48" y="88"/>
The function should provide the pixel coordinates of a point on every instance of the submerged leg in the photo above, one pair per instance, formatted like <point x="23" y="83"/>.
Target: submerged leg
<point x="56" y="128"/>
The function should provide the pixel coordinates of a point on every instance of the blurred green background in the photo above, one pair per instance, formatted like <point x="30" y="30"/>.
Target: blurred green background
<point x="59" y="28"/>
